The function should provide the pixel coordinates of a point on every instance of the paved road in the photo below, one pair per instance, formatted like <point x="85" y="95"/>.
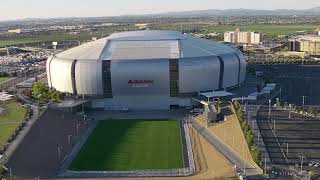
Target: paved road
<point x="249" y="169"/>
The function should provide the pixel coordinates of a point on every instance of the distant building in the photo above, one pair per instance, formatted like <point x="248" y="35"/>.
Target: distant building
<point x="14" y="31"/>
<point x="308" y="43"/>
<point x="242" y="37"/>
<point x="141" y="26"/>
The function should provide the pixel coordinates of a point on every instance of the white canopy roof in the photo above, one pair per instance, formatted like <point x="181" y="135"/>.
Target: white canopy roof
<point x="148" y="44"/>
<point x="216" y="94"/>
<point x="4" y="96"/>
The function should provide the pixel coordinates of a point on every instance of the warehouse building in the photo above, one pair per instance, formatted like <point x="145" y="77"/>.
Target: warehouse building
<point x="145" y="70"/>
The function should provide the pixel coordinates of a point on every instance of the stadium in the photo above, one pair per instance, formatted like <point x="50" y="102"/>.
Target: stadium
<point x="145" y="70"/>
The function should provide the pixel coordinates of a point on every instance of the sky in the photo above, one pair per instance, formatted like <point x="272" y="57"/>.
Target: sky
<point x="18" y="9"/>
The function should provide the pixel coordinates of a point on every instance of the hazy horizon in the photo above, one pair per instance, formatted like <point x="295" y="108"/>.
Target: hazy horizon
<point x="18" y="9"/>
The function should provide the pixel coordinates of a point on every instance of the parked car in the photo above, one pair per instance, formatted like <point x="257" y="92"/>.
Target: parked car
<point x="312" y="163"/>
<point x="316" y="165"/>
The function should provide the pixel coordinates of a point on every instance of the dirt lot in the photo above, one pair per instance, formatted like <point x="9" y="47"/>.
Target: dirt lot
<point x="230" y="132"/>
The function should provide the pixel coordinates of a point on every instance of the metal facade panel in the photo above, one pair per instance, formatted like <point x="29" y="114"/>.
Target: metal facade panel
<point x="123" y="50"/>
<point x="61" y="75"/>
<point x="48" y="63"/>
<point x="88" y="77"/>
<point x="198" y="74"/>
<point x="243" y="66"/>
<point x="231" y="69"/>
<point x="140" y="77"/>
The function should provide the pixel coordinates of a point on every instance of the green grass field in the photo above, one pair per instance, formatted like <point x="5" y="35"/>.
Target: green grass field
<point x="11" y="118"/>
<point x="131" y="145"/>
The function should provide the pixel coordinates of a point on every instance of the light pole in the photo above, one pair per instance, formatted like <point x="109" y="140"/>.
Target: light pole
<point x="287" y="147"/>
<point x="303" y="98"/>
<point x="269" y="107"/>
<point x="289" y="111"/>
<point x="301" y="158"/>
<point x="69" y="138"/>
<point x="59" y="152"/>
<point x="258" y="140"/>
<point x="78" y="128"/>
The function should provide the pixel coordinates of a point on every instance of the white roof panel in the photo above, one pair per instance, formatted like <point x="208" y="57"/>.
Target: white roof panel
<point x="147" y="44"/>
<point x="123" y="50"/>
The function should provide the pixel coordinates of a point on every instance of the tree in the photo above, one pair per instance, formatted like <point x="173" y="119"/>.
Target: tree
<point x="39" y="90"/>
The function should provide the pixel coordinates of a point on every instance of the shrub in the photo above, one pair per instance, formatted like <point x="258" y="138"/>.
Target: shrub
<point x="254" y="151"/>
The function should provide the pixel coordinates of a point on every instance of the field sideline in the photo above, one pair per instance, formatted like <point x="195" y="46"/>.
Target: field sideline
<point x="131" y="145"/>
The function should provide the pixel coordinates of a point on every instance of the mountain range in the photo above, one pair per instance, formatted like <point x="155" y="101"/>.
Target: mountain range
<point x="246" y="12"/>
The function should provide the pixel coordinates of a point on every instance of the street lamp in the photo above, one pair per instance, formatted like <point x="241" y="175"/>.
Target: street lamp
<point x="303" y="100"/>
<point x="287" y="145"/>
<point x="69" y="138"/>
<point x="59" y="151"/>
<point x="289" y="111"/>
<point x="301" y="158"/>
<point x="269" y="107"/>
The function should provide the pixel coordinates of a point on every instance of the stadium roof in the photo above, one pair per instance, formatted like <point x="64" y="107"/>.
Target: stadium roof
<point x="149" y="44"/>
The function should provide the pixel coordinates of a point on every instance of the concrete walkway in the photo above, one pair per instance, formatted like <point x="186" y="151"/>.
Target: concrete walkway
<point x="228" y="153"/>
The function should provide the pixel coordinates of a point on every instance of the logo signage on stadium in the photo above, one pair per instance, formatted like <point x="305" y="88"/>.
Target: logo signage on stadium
<point x="140" y="83"/>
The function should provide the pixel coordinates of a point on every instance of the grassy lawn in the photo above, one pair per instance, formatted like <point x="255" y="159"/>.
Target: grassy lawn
<point x="11" y="118"/>
<point x="2" y="79"/>
<point x="131" y="145"/>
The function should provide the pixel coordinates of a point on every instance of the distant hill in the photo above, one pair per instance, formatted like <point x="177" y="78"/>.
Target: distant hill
<point x="245" y="12"/>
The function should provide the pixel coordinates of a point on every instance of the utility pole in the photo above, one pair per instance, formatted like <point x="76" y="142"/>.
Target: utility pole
<point x="301" y="158"/>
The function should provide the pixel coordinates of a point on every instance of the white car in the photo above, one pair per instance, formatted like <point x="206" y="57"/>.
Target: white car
<point x="316" y="165"/>
<point x="311" y="163"/>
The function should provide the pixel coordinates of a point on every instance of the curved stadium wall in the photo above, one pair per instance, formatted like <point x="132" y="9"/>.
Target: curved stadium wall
<point x="145" y="70"/>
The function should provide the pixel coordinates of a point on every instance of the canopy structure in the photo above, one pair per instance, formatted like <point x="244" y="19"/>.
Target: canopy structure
<point x="213" y="94"/>
<point x="4" y="96"/>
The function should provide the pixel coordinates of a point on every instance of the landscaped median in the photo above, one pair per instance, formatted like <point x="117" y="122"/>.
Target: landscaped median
<point x="247" y="132"/>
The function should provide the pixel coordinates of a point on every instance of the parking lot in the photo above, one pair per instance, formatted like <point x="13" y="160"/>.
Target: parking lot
<point x="299" y="133"/>
<point x="295" y="81"/>
<point x="49" y="140"/>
